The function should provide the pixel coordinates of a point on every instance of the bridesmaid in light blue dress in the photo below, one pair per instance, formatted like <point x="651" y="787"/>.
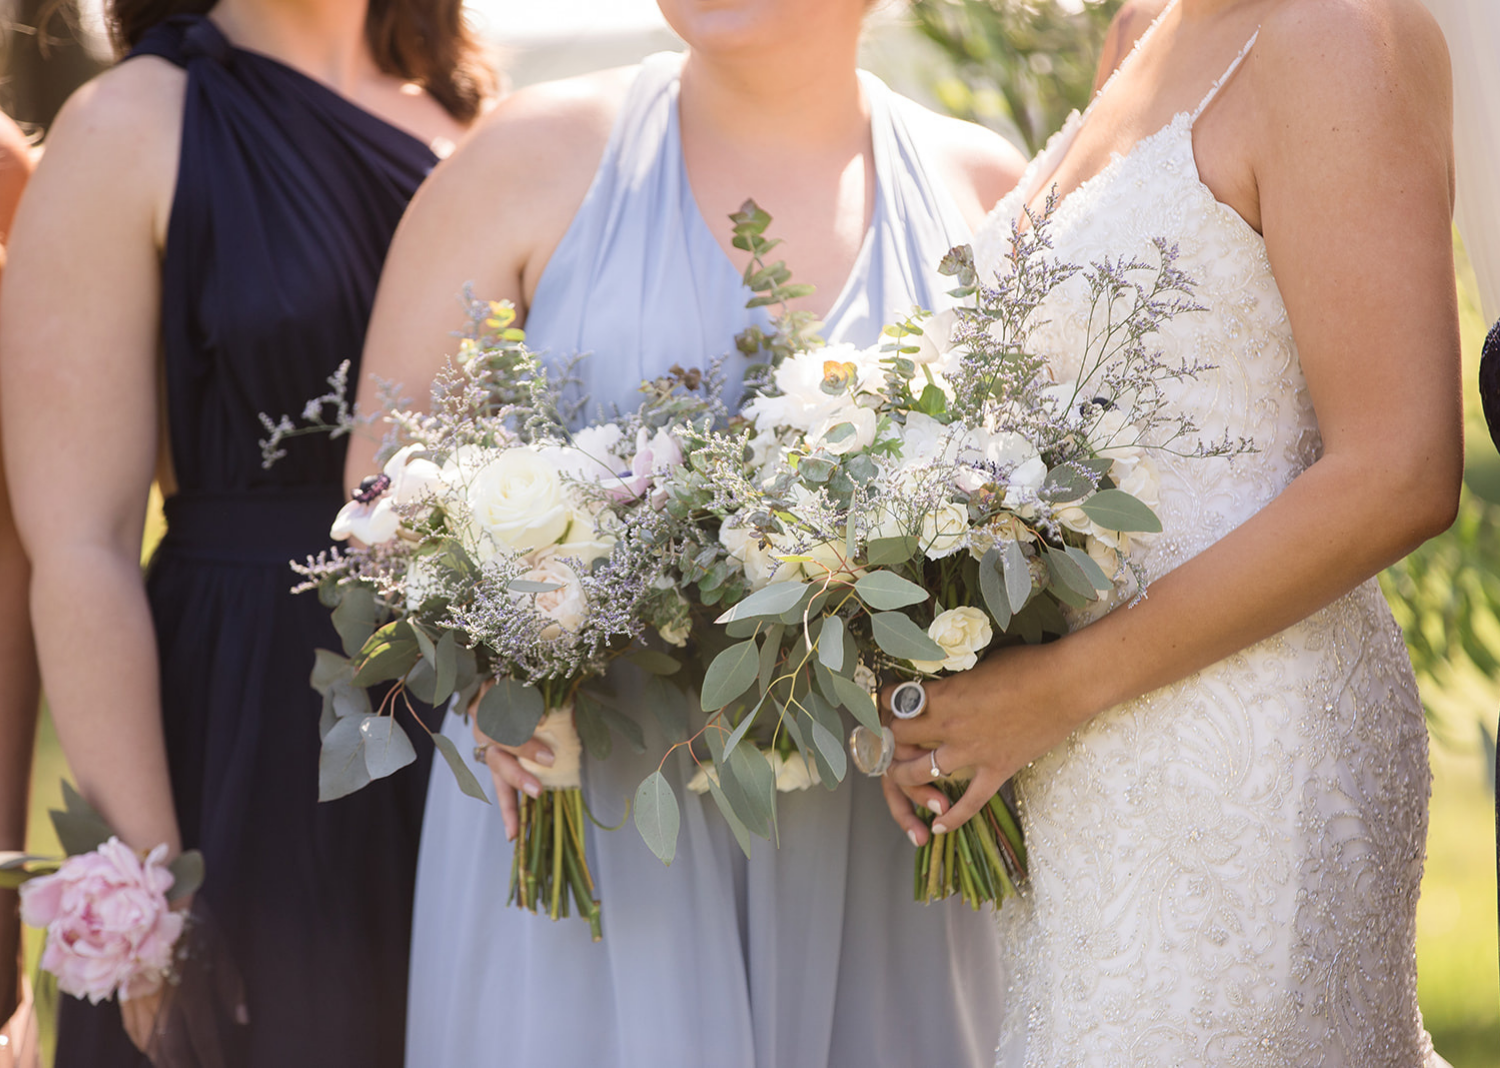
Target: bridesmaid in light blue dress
<point x="809" y="953"/>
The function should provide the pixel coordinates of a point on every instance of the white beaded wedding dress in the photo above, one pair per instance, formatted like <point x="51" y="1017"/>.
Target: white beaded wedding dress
<point x="1225" y="871"/>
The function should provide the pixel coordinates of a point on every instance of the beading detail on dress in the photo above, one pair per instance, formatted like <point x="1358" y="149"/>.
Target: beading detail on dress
<point x="1226" y="870"/>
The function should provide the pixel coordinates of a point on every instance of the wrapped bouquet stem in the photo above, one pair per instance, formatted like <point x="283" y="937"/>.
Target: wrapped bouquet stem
<point x="550" y="869"/>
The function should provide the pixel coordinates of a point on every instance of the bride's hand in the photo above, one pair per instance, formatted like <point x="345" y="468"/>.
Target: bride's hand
<point x="506" y="770"/>
<point x="989" y="723"/>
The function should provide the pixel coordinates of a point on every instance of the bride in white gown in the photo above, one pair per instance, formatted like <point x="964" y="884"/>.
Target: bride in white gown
<point x="1224" y="787"/>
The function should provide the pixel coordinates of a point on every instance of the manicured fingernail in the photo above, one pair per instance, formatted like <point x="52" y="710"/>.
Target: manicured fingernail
<point x="938" y="828"/>
<point x="532" y="790"/>
<point x="935" y="806"/>
<point x="544" y="758"/>
<point x="913" y="836"/>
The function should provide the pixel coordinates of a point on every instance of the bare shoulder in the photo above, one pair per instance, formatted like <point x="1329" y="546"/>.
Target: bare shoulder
<point x="978" y="164"/>
<point x="1388" y="45"/>
<point x="136" y="102"/>
<point x="545" y="134"/>
<point x="1132" y="20"/>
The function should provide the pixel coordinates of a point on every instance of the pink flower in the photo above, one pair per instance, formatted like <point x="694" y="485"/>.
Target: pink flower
<point x="655" y="456"/>
<point x="109" y="929"/>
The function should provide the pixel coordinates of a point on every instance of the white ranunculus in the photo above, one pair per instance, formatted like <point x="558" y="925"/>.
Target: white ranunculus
<point x="1114" y="437"/>
<point x="962" y="632"/>
<point x="1105" y="556"/>
<point x="944" y="529"/>
<point x="373" y="523"/>
<point x="516" y="503"/>
<point x="566" y="606"/>
<point x="863" y="420"/>
<point x="804" y="403"/>
<point x="594" y="455"/>
<point x="795" y="772"/>
<point x="1142" y="481"/>
<point x="935" y="347"/>
<point x="559" y="734"/>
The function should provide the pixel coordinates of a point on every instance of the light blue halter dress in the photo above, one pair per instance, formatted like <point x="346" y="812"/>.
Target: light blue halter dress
<point x="808" y="955"/>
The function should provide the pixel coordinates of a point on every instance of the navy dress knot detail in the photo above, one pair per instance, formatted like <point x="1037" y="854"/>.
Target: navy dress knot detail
<point x="286" y="198"/>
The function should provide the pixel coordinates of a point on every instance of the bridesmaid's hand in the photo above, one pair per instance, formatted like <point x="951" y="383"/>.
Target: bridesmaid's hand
<point x="987" y="723"/>
<point x="506" y="770"/>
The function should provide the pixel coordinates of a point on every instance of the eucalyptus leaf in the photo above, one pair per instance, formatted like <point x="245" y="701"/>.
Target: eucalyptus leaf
<point x="992" y="588"/>
<point x="770" y="653"/>
<point x="79" y="832"/>
<point x="187" y="874"/>
<point x="1017" y="575"/>
<point x="732" y="673"/>
<point x="509" y="712"/>
<point x="899" y="637"/>
<point x="654" y="661"/>
<point x="355" y="617"/>
<point x="425" y="644"/>
<point x="831" y="749"/>
<point x="618" y="722"/>
<point x="858" y="701"/>
<point x="1090" y="568"/>
<point x="769" y="602"/>
<point x="341" y="761"/>
<point x="886" y="590"/>
<point x="657" y="817"/>
<point x="593" y="732"/>
<point x="421" y="683"/>
<point x="1115" y="509"/>
<point x="831" y="644"/>
<point x="741" y="832"/>
<point x="520" y="585"/>
<point x="445" y="662"/>
<point x="1065" y="570"/>
<point x="387" y="748"/>
<point x="668" y="704"/>
<point x="1065" y="482"/>
<point x="466" y="780"/>
<point x="76" y="803"/>
<point x="329" y="668"/>
<point x="746" y="771"/>
<point x="887" y="552"/>
<point x="388" y="654"/>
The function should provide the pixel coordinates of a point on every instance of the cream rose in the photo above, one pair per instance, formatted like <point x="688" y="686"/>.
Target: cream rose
<point x="755" y="560"/>
<point x="944" y="530"/>
<point x="962" y="632"/>
<point x="516" y="503"/>
<point x="566" y="605"/>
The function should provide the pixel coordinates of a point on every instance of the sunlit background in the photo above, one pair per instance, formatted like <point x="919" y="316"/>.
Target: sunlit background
<point x="1019" y="66"/>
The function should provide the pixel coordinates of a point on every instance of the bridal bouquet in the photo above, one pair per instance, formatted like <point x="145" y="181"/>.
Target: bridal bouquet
<point x="107" y="910"/>
<point x="895" y="511"/>
<point x="504" y="563"/>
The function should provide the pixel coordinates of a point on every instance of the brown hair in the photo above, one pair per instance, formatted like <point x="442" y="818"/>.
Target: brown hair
<point x="424" y="41"/>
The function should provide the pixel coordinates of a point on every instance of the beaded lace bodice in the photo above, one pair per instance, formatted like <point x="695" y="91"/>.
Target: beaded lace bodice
<point x="1226" y="870"/>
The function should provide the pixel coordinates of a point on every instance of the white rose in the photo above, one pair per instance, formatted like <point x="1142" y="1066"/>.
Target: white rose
<point x="1142" y="481"/>
<point x="588" y="537"/>
<point x="804" y="403"/>
<point x="424" y="579"/>
<point x="944" y="530"/>
<point x="827" y="558"/>
<point x="516" y="503"/>
<point x="677" y="633"/>
<point x="1106" y="557"/>
<point x="1114" y="437"/>
<point x="795" y="772"/>
<point x="593" y="456"/>
<point x="962" y="632"/>
<point x="996" y="532"/>
<point x="566" y="605"/>
<point x="558" y="733"/>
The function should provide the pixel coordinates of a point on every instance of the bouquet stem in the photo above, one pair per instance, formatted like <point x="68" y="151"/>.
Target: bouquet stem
<point x="550" y="868"/>
<point x="981" y="861"/>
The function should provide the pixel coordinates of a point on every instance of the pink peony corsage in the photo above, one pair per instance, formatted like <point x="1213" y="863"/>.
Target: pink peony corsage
<point x="109" y="928"/>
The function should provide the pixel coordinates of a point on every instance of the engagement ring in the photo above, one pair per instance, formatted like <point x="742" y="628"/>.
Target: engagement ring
<point x="908" y="699"/>
<point x="479" y="751"/>
<point x="937" y="773"/>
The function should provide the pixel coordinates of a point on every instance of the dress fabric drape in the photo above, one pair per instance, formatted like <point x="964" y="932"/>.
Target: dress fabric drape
<point x="812" y="953"/>
<point x="286" y="199"/>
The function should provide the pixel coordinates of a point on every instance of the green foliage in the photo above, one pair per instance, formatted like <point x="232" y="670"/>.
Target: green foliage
<point x="771" y="283"/>
<point x="1019" y="63"/>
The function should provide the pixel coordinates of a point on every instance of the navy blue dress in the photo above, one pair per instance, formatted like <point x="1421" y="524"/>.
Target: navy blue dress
<point x="287" y="196"/>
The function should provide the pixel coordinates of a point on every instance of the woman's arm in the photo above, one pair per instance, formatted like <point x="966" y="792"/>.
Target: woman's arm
<point x="78" y="357"/>
<point x="19" y="694"/>
<point x="1355" y="193"/>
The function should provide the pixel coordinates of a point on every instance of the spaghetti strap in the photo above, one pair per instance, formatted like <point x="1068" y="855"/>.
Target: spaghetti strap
<point x="1224" y="78"/>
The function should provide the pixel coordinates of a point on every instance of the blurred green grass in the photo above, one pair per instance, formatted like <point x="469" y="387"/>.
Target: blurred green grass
<point x="1458" y="983"/>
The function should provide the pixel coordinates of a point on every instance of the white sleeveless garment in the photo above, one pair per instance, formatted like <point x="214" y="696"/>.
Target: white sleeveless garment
<point x="1225" y="871"/>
